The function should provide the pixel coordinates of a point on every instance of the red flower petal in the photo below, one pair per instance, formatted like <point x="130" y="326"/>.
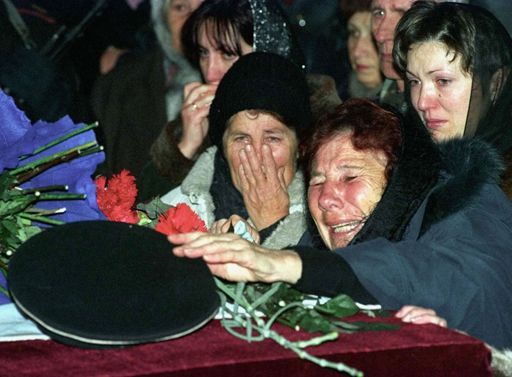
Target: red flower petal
<point x="116" y="197"/>
<point x="180" y="219"/>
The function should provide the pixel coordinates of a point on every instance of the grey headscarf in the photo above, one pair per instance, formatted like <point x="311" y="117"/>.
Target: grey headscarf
<point x="185" y="73"/>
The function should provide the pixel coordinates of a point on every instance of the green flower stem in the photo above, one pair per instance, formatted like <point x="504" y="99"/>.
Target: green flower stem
<point x="252" y="323"/>
<point x="98" y="148"/>
<point x="44" y="212"/>
<point x="239" y="292"/>
<point x="264" y="297"/>
<point x="296" y="347"/>
<point x="41" y="219"/>
<point x="22" y="202"/>
<point x="230" y="325"/>
<point x="44" y="189"/>
<point x="340" y="367"/>
<point x="241" y="300"/>
<point x="281" y="311"/>
<point x="317" y="340"/>
<point x="61" y="139"/>
<point x="52" y="196"/>
<point x="56" y="157"/>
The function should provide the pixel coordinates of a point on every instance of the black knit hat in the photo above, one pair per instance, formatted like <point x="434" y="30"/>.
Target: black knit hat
<point x="261" y="81"/>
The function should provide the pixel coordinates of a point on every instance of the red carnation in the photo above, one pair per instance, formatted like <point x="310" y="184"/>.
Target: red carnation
<point x="180" y="219"/>
<point x="116" y="197"/>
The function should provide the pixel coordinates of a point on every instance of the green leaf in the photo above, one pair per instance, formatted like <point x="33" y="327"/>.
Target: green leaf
<point x="6" y="182"/>
<point x="339" y="306"/>
<point x="314" y="322"/>
<point x="154" y="208"/>
<point x="11" y="207"/>
<point x="11" y="224"/>
<point x="294" y="316"/>
<point x="28" y="232"/>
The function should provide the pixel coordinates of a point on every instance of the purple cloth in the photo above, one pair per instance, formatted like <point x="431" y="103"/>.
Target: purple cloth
<point x="3" y="283"/>
<point x="76" y="173"/>
<point x="14" y="126"/>
<point x="18" y="137"/>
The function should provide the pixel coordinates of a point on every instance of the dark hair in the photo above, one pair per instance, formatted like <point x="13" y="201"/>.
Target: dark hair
<point x="473" y="33"/>
<point x="347" y="8"/>
<point x="227" y="21"/>
<point x="485" y="50"/>
<point x="371" y="127"/>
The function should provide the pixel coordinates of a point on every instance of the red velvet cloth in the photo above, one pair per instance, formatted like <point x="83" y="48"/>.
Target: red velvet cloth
<point x="413" y="350"/>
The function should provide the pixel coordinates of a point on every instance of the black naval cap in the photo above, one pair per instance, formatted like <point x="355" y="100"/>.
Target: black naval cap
<point x="101" y="284"/>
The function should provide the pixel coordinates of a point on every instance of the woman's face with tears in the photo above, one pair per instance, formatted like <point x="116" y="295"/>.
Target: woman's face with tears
<point x="345" y="186"/>
<point x="263" y="135"/>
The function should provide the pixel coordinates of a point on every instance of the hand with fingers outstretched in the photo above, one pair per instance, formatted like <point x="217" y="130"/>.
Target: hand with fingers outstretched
<point x="194" y="114"/>
<point x="231" y="257"/>
<point x="263" y="187"/>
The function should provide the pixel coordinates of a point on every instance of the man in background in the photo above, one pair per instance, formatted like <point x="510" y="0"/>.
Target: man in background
<point x="385" y="17"/>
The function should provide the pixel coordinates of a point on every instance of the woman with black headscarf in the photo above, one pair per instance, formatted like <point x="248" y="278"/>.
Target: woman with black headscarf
<point x="457" y="60"/>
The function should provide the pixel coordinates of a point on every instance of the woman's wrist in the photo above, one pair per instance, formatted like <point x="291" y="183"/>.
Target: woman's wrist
<point x="187" y="150"/>
<point x="287" y="267"/>
<point x="268" y="221"/>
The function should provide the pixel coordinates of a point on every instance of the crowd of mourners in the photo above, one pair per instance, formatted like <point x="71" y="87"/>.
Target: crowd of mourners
<point x="392" y="184"/>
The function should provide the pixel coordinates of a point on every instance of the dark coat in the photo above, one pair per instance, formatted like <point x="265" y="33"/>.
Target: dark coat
<point x="506" y="179"/>
<point x="129" y="103"/>
<point x="135" y="100"/>
<point x="450" y="250"/>
<point x="168" y="166"/>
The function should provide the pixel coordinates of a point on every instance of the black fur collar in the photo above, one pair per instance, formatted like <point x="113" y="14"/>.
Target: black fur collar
<point x="412" y="179"/>
<point x="452" y="173"/>
<point x="467" y="165"/>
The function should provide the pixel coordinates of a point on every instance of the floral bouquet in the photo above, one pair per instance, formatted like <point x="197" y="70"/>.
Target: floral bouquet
<point x="45" y="177"/>
<point x="116" y="199"/>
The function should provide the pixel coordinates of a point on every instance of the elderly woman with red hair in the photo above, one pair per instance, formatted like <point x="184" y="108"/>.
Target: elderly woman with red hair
<point x="405" y="222"/>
